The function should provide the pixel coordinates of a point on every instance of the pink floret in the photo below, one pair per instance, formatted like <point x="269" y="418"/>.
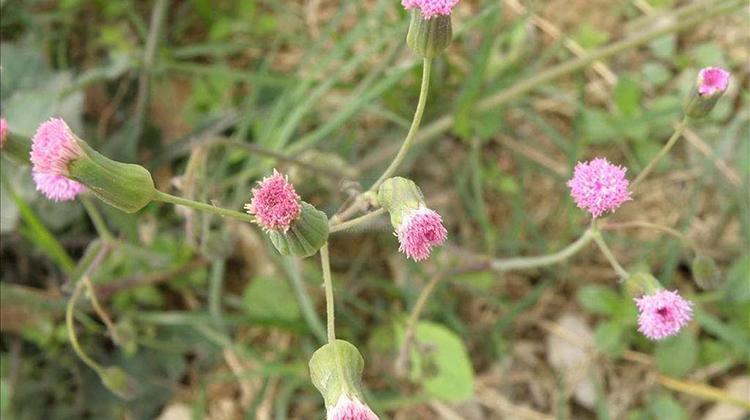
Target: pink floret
<point x="599" y="186"/>
<point x="57" y="187"/>
<point x="3" y="131"/>
<point x="663" y="314"/>
<point x="712" y="80"/>
<point x="419" y="231"/>
<point x="350" y="409"/>
<point x="53" y="147"/>
<point x="275" y="203"/>
<point x="431" y="8"/>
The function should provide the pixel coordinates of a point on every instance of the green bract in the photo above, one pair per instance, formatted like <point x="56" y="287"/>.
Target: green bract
<point x="429" y="37"/>
<point x="399" y="195"/>
<point x="336" y="369"/>
<point x="305" y="235"/>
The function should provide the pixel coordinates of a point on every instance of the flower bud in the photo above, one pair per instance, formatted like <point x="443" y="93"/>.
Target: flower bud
<point x="711" y="84"/>
<point x="125" y="186"/>
<point x="705" y="272"/>
<point x="398" y="196"/>
<point x="429" y="36"/>
<point x="641" y="283"/>
<point x="119" y="382"/>
<point x="336" y="371"/>
<point x="305" y="235"/>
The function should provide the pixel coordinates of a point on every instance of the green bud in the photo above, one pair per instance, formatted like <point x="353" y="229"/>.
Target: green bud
<point x="400" y="195"/>
<point x="641" y="283"/>
<point x="705" y="272"/>
<point x="119" y="382"/>
<point x="305" y="236"/>
<point x="429" y="37"/>
<point x="336" y="369"/>
<point x="125" y="186"/>
<point x="17" y="148"/>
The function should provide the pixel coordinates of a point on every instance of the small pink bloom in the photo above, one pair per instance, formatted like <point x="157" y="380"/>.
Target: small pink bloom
<point x="3" y="131"/>
<point x="431" y="8"/>
<point x="420" y="230"/>
<point x="599" y="186"/>
<point x="57" y="187"/>
<point x="275" y="203"/>
<point x="350" y="409"/>
<point x="712" y="80"/>
<point x="53" y="147"/>
<point x="663" y="314"/>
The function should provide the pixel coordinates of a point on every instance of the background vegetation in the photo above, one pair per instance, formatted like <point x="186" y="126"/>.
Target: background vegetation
<point x="211" y="95"/>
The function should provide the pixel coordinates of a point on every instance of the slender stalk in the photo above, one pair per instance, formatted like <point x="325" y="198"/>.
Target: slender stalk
<point x="663" y="152"/>
<point x="101" y="312"/>
<point x="328" y="284"/>
<point x="96" y="219"/>
<point x="338" y="227"/>
<point x="173" y="199"/>
<point x="426" y="67"/>
<point x="292" y="266"/>
<point x="411" y="324"/>
<point x="72" y="332"/>
<point x="610" y="256"/>
<point x="701" y="391"/>
<point x="506" y="264"/>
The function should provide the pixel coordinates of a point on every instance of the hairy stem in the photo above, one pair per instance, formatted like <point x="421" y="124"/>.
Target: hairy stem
<point x="173" y="199"/>
<point x="427" y="65"/>
<point x="72" y="332"/>
<point x="506" y="264"/>
<point x="621" y="272"/>
<point x="648" y="225"/>
<point x="96" y="218"/>
<point x="328" y="284"/>
<point x="663" y="152"/>
<point x="338" y="227"/>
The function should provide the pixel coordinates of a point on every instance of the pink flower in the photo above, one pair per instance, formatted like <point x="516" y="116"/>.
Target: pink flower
<point x="420" y="230"/>
<point x="348" y="409"/>
<point x="599" y="186"/>
<point x="57" y="187"/>
<point x="662" y="314"/>
<point x="712" y="80"/>
<point x="53" y="147"/>
<point x="275" y="203"/>
<point x="431" y="8"/>
<point x="3" y="131"/>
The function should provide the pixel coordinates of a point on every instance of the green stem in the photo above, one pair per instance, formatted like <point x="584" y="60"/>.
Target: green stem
<point x="173" y="199"/>
<point x="426" y="67"/>
<point x="96" y="219"/>
<point x="328" y="284"/>
<point x="292" y="266"/>
<point x="337" y="227"/>
<point x="647" y="225"/>
<point x="99" y="309"/>
<point x="507" y="264"/>
<point x="621" y="272"/>
<point x="663" y="152"/>
<point x="72" y="332"/>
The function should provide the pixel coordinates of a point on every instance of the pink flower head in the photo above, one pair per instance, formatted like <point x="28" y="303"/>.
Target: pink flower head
<point x="275" y="203"/>
<point x="3" y="131"/>
<point x="663" y="314"/>
<point x="430" y="8"/>
<point x="53" y="147"/>
<point x="599" y="186"/>
<point x="350" y="409"/>
<point x="57" y="187"/>
<point x="420" y="230"/>
<point x="712" y="80"/>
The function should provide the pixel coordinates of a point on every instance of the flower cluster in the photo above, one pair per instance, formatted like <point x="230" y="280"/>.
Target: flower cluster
<point x="663" y="314"/>
<point x="599" y="186"/>
<point x="53" y="148"/>
<point x="420" y="230"/>
<point x="712" y="80"/>
<point x="3" y="131"/>
<point x="431" y="8"/>
<point x="275" y="203"/>
<point x="350" y="409"/>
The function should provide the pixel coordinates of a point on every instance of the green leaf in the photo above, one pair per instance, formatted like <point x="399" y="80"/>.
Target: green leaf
<point x="270" y="298"/>
<point x="608" y="338"/>
<point x="599" y="299"/>
<point x="665" y="407"/>
<point x="627" y="96"/>
<point x="677" y="355"/>
<point x="440" y="363"/>
<point x="738" y="280"/>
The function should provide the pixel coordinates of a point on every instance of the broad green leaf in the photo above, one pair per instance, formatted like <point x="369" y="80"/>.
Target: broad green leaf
<point x="627" y="96"/>
<point x="665" y="407"/>
<point x="440" y="363"/>
<point x="609" y="338"/>
<point x="599" y="299"/>
<point x="738" y="280"/>
<point x="270" y="298"/>
<point x="677" y="355"/>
